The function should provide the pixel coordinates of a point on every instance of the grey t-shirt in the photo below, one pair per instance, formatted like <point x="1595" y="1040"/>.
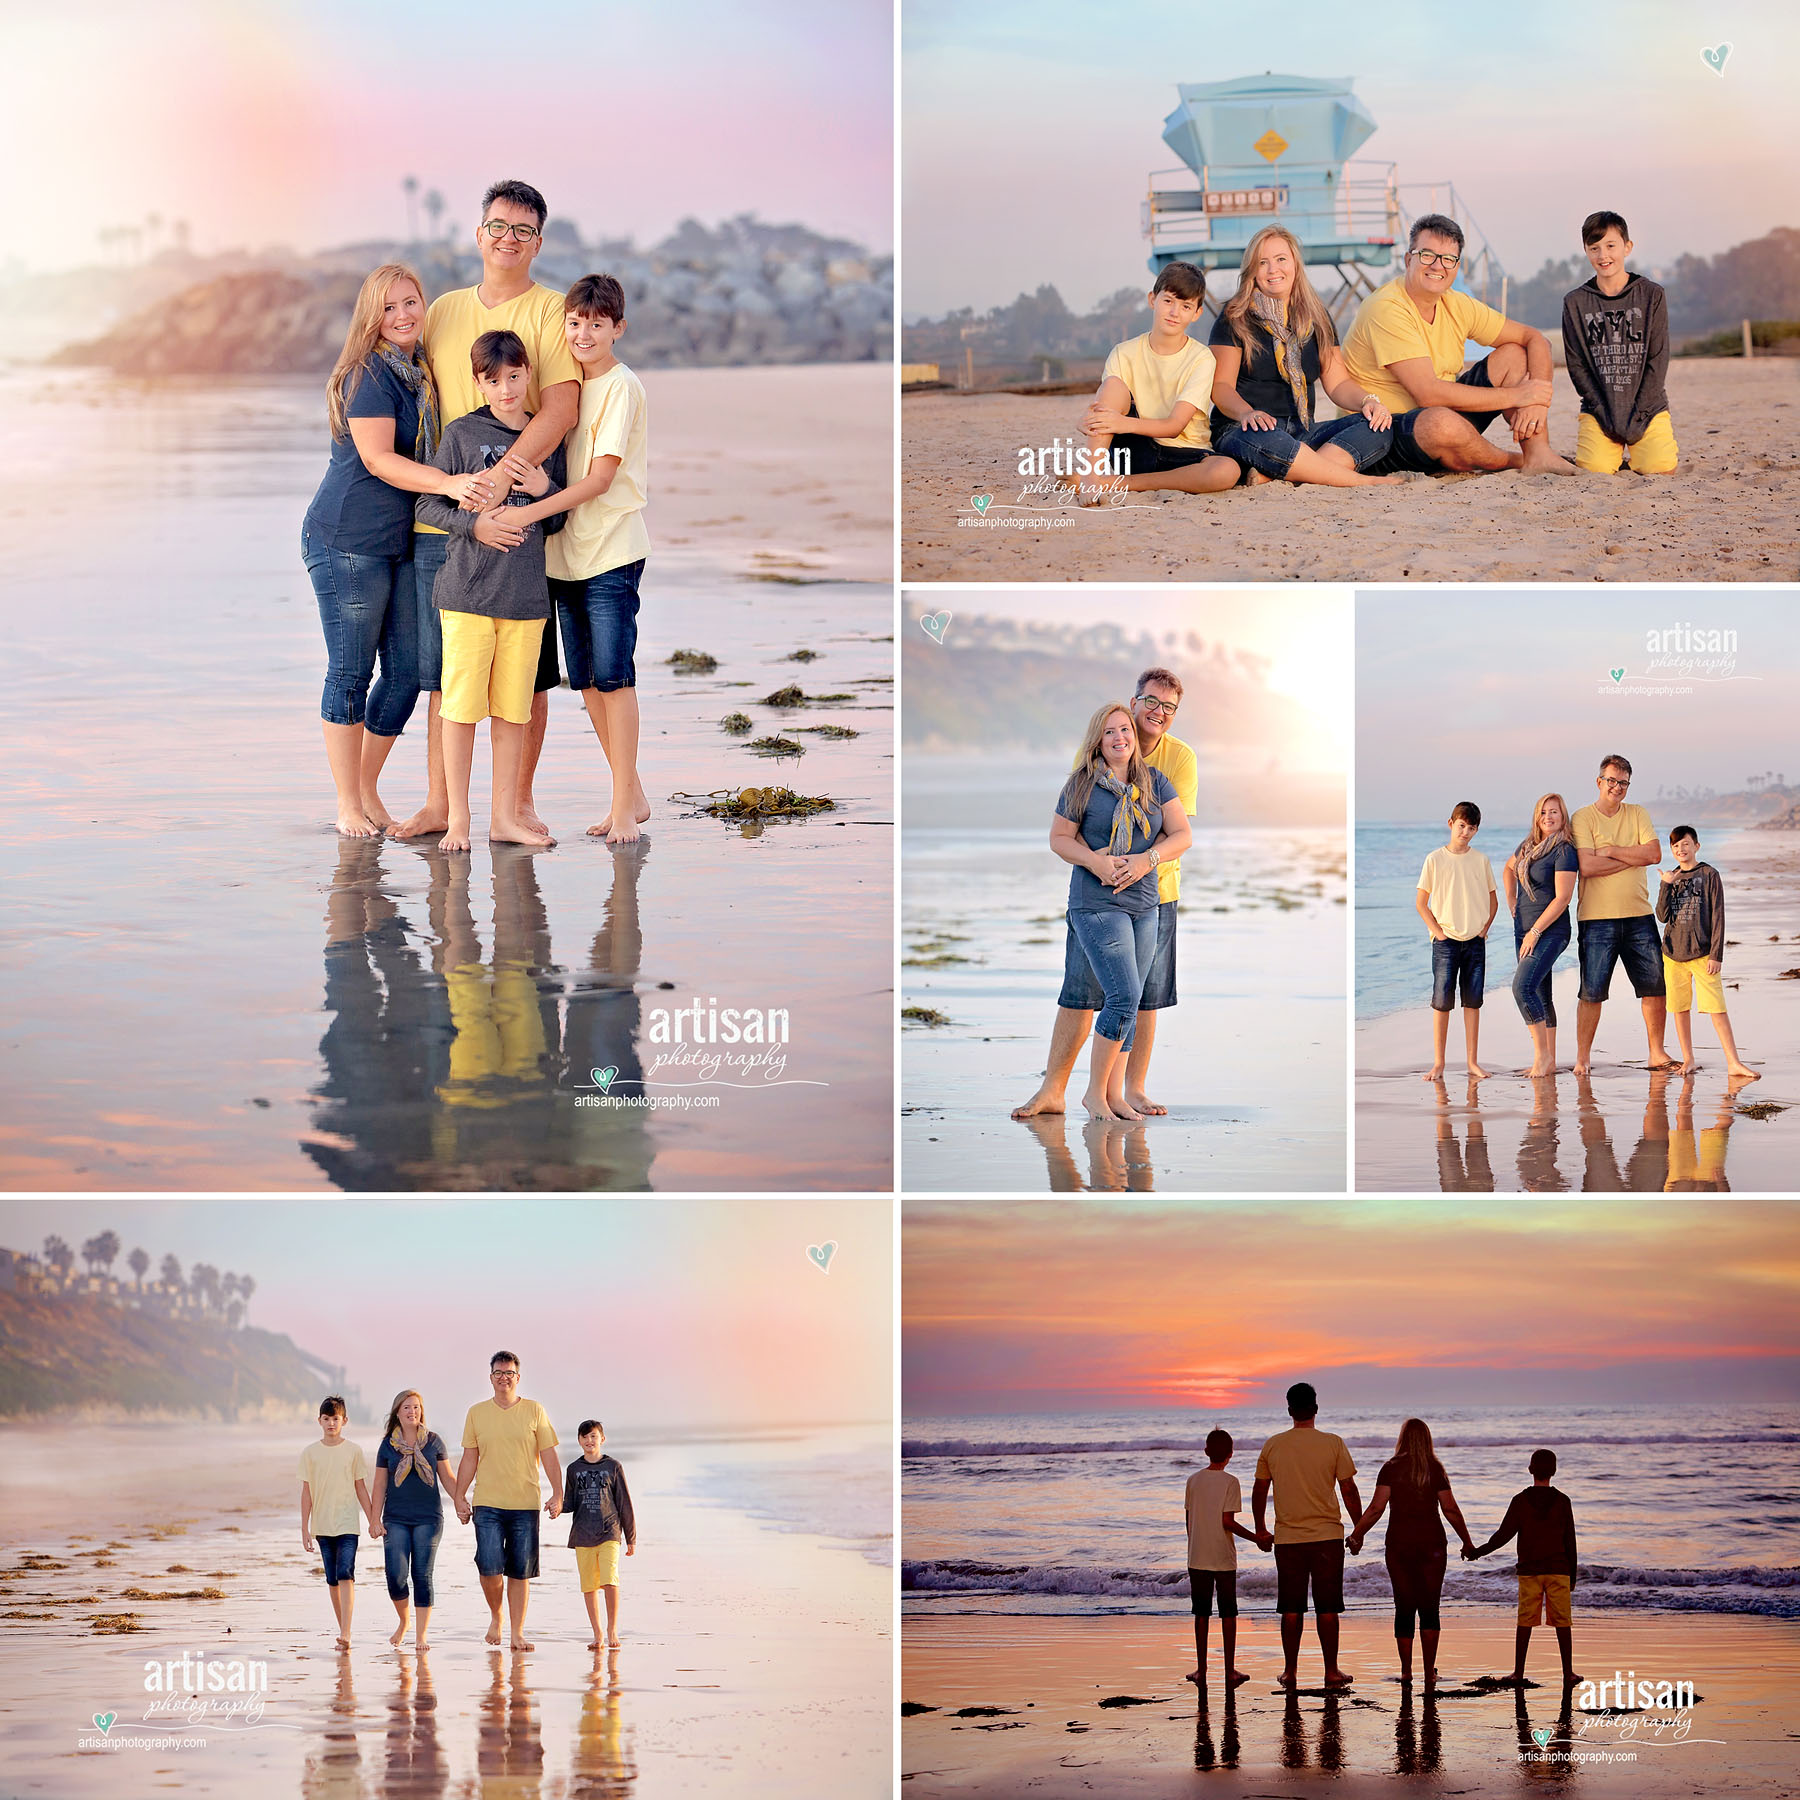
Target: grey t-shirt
<point x="1616" y="347"/>
<point x="475" y="578"/>
<point x="1087" y="893"/>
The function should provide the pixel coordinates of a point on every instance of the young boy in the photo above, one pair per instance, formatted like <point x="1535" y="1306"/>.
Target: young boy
<point x="595" y="1495"/>
<point x="596" y="564"/>
<point x="1544" y="1523"/>
<point x="1151" y="409"/>
<point x="1616" y="345"/>
<point x="493" y="602"/>
<point x="1457" y="900"/>
<point x="334" y="1481"/>
<point x="1212" y="1504"/>
<point x="1691" y="905"/>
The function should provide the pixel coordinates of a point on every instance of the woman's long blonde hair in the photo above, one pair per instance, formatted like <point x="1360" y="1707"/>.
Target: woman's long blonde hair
<point x="1081" y="783"/>
<point x="1306" y="311"/>
<point x="362" y="337"/>
<point x="1533" y="845"/>
<point x="393" y="1418"/>
<point x="1413" y="1451"/>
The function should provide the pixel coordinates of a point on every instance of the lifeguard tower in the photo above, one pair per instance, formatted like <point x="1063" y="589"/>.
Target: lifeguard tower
<point x="1278" y="149"/>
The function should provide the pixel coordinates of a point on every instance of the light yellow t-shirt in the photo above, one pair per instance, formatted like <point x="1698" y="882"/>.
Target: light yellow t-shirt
<point x="1211" y="1493"/>
<point x="1458" y="889"/>
<point x="1306" y="1467"/>
<point x="1625" y="895"/>
<point x="510" y="1440"/>
<point x="1159" y="384"/>
<point x="332" y="1472"/>
<point x="607" y="531"/>
<point x="1388" y="329"/>
<point x="455" y="320"/>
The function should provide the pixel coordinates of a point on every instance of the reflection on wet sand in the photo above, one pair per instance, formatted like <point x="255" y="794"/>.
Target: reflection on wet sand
<point x="601" y="1765"/>
<point x="1295" y="1751"/>
<point x="415" y="1767"/>
<point x="1546" y="1756"/>
<point x="334" y="1770"/>
<point x="1225" y="1756"/>
<point x="1118" y="1155"/>
<point x="1417" y="1745"/>
<point x="509" y="1740"/>
<point x="446" y="1068"/>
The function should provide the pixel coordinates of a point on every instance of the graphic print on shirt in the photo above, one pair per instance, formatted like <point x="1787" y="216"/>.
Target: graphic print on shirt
<point x="1615" y="342"/>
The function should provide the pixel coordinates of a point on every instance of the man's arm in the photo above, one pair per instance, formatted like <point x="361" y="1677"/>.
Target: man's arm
<point x="1427" y="388"/>
<point x="548" y="1459"/>
<point x="1608" y="862"/>
<point x="559" y="406"/>
<point x="1540" y="368"/>
<point x="1352" y="1499"/>
<point x="1259" y="1499"/>
<point x="465" y="1475"/>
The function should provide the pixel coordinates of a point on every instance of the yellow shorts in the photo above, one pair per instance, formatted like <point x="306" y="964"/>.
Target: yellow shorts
<point x="1682" y="980"/>
<point x="1655" y="453"/>
<point x="1548" y="1592"/>
<point x="598" y="1565"/>
<point x="490" y="666"/>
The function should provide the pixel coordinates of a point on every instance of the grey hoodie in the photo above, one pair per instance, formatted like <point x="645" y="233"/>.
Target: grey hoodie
<point x="1617" y="349"/>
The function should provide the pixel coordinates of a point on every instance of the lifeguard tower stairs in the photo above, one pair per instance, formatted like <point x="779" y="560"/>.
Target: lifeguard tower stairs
<point x="1277" y="149"/>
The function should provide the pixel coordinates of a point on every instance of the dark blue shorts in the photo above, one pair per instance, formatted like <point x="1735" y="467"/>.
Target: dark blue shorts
<point x="429" y="550"/>
<point x="339" y="1556"/>
<point x="1457" y="962"/>
<point x="1204" y="1583"/>
<point x="506" y="1541"/>
<point x="598" y="620"/>
<point x="1081" y="990"/>
<point x="1404" y="455"/>
<point x="1603" y="942"/>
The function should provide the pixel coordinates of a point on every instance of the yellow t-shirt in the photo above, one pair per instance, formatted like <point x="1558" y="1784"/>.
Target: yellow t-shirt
<point x="1159" y="384"/>
<point x="1388" y="329"/>
<point x="1458" y="889"/>
<point x="455" y="320"/>
<point x="607" y="531"/>
<point x="1305" y="1466"/>
<point x="1625" y="895"/>
<point x="332" y="1471"/>
<point x="510" y="1440"/>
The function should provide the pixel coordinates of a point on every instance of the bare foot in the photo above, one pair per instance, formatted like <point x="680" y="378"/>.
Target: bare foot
<point x="1477" y="1072"/>
<point x="612" y="1643"/>
<point x="1121" y="1108"/>
<point x="1195" y="1677"/>
<point x="1539" y="1073"/>
<point x="493" y="1630"/>
<point x="624" y="833"/>
<point x="1143" y="1105"/>
<point x="420" y="1645"/>
<point x="596" y="1643"/>
<point x="526" y="814"/>
<point x="1570" y="1678"/>
<point x="351" y="823"/>
<point x="1378" y="481"/>
<point x="1100" y="1109"/>
<point x="343" y="1643"/>
<point x="398" y="1633"/>
<point x="1287" y="1679"/>
<point x="1235" y="1678"/>
<point x="422" y="824"/>
<point x="1738" y="1072"/>
<point x="1431" y="1678"/>
<point x="1690" y="1067"/>
<point x="1255" y="478"/>
<point x="1043" y="1101"/>
<point x="376" y="813"/>
<point x="1661" y="1061"/>
<point x="519" y="1643"/>
<point x="1537" y="458"/>
<point x="1336" y="1678"/>
<point x="1584" y="1067"/>
<point x="456" y="837"/>
<point x="1434" y="1073"/>
<point x="518" y="831"/>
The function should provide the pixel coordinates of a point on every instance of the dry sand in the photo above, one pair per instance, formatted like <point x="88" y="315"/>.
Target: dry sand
<point x="1055" y="1738"/>
<point x="1730" y="513"/>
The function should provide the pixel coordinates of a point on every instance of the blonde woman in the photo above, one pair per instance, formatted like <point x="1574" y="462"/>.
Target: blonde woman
<point x="1414" y="1481"/>
<point x="1273" y="346"/>
<point x="356" y="540"/>
<point x="1540" y="886"/>
<point x="412" y="1474"/>
<point x="1116" y="820"/>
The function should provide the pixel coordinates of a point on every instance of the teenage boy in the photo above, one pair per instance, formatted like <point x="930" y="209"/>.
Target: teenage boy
<point x="1616" y="344"/>
<point x="1691" y="905"/>
<point x="509" y="237"/>
<point x="1150" y="413"/>
<point x="1457" y="900"/>
<point x="599" y="1504"/>
<point x="334" y="1483"/>
<point x="1212" y="1503"/>
<point x="1543" y="1521"/>
<point x="597" y="562"/>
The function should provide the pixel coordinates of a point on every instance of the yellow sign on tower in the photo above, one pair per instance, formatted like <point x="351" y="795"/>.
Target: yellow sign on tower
<point x="1270" y="144"/>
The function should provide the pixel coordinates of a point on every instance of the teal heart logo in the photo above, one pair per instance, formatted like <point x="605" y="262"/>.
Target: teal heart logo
<point x="104" y="1721"/>
<point x="1542" y="1734"/>
<point x="604" y="1078"/>
<point x="1715" y="57"/>
<point x="981" y="502"/>
<point x="936" y="624"/>
<point x="1616" y="674"/>
<point x="822" y="1254"/>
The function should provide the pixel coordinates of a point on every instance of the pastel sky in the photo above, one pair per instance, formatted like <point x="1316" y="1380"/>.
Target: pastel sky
<point x="1030" y="126"/>
<point x="1514" y="692"/>
<point x="293" y="122"/>
<point x="1068" y="1307"/>
<point x="662" y="1313"/>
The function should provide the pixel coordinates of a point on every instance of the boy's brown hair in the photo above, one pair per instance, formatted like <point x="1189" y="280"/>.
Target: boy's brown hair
<point x="495" y="350"/>
<point x="1182" y="279"/>
<point x="597" y="297"/>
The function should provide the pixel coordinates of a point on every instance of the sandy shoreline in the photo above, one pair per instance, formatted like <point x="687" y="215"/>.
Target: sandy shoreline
<point x="1727" y="515"/>
<point x="1054" y="1738"/>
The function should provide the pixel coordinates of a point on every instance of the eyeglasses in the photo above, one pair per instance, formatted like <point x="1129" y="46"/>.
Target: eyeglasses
<point x="498" y="228"/>
<point x="1437" y="259"/>
<point x="1612" y="781"/>
<point x="1164" y="709"/>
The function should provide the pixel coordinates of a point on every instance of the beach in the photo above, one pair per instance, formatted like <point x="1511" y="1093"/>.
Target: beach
<point x="1728" y="514"/>
<point x="210" y="990"/>
<point x="1621" y="1129"/>
<point x="757" y="1635"/>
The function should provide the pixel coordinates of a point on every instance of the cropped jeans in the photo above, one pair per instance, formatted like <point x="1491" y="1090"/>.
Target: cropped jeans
<point x="367" y="608"/>
<point x="1531" y="979"/>
<point x="1121" y="949"/>
<point x="410" y="1546"/>
<point x="1272" y="453"/>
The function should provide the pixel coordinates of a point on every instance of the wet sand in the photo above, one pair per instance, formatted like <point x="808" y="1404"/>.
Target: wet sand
<point x="1054" y="1738"/>
<point x="209" y="990"/>
<point x="1728" y="514"/>
<point x="755" y="1661"/>
<point x="1623" y="1128"/>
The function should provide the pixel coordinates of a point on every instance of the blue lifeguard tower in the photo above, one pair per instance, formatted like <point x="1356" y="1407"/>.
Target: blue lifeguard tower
<point x="1278" y="149"/>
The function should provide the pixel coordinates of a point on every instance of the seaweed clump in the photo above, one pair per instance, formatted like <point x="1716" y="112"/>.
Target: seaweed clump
<point x="737" y="724"/>
<point x="759" y="803"/>
<point x="692" y="662"/>
<point x="776" y="746"/>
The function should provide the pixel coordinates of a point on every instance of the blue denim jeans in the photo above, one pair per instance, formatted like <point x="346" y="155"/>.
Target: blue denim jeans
<point x="506" y="1542"/>
<point x="1121" y="947"/>
<point x="1457" y="962"/>
<point x="338" y="1553"/>
<point x="1272" y="453"/>
<point x="366" y="607"/>
<point x="429" y="551"/>
<point x="1531" y="980"/>
<point x="598" y="619"/>
<point x="1081" y="990"/>
<point x="1603" y="942"/>
<point x="410" y="1546"/>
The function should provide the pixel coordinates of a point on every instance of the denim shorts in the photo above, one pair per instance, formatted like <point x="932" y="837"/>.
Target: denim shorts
<point x="1454" y="962"/>
<point x="1634" y="942"/>
<point x="366" y="608"/>
<point x="1081" y="991"/>
<point x="1404" y="455"/>
<point x="429" y="551"/>
<point x="338" y="1553"/>
<point x="1272" y="453"/>
<point x="598" y="620"/>
<point x="506" y="1541"/>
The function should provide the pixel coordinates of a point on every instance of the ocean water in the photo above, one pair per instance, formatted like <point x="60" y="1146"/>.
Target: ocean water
<point x="843" y="1491"/>
<point x="1685" y="1508"/>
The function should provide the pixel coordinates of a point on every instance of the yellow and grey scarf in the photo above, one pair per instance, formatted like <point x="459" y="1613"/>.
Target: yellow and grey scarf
<point x="1290" y="352"/>
<point x="413" y="1461"/>
<point x="1128" y="810"/>
<point x="412" y="370"/>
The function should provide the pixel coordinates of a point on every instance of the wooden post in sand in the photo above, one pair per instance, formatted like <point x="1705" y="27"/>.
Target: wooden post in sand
<point x="1748" y="350"/>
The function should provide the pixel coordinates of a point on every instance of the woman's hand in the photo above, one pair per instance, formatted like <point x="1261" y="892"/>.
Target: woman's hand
<point x="1353" y="1543"/>
<point x="466" y="490"/>
<point x="1377" y="414"/>
<point x="1530" y="941"/>
<point x="1128" y="870"/>
<point x="1260" y="421"/>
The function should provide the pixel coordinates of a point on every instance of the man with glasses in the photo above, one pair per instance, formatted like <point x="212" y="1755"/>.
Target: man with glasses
<point x="1615" y="921"/>
<point x="1406" y="348"/>
<point x="1158" y="696"/>
<point x="509" y="237"/>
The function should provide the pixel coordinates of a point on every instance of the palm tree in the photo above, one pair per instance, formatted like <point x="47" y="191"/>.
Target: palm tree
<point x="246" y="1287"/>
<point x="203" y="1280"/>
<point x="139" y="1260"/>
<point x="106" y="1248"/>
<point x="411" y="185"/>
<point x="234" y="1314"/>
<point x="58" y="1255"/>
<point x="434" y="208"/>
<point x="171" y="1274"/>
